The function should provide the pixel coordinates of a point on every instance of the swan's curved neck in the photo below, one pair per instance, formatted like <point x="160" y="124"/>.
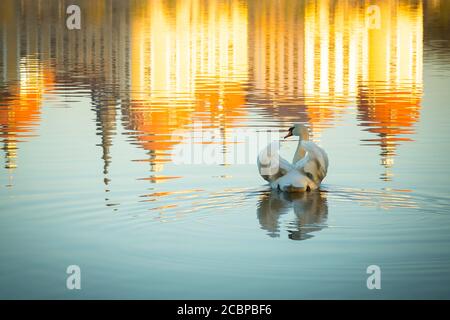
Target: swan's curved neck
<point x="300" y="152"/>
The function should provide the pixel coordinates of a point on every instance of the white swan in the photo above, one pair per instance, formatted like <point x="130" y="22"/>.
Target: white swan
<point x="308" y="169"/>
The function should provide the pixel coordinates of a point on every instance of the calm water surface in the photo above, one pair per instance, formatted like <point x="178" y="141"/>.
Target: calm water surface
<point x="93" y="123"/>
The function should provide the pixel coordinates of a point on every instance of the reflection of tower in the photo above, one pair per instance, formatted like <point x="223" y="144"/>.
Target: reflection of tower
<point x="391" y="88"/>
<point x="110" y="85"/>
<point x="106" y="128"/>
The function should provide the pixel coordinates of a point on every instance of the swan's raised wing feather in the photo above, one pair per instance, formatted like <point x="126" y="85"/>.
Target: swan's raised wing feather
<point x="315" y="163"/>
<point x="271" y="165"/>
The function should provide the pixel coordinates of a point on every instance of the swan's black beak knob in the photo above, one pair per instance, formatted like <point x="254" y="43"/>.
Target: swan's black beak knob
<point x="289" y="132"/>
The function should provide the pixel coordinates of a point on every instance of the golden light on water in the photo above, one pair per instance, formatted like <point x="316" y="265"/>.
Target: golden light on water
<point x="177" y="53"/>
<point x="184" y="61"/>
<point x="175" y="64"/>
<point x="336" y="53"/>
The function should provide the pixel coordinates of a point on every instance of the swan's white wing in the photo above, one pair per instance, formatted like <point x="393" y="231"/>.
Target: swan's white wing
<point x="271" y="165"/>
<point x="315" y="163"/>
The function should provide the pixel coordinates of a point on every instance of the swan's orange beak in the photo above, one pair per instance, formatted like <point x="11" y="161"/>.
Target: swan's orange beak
<point x="289" y="133"/>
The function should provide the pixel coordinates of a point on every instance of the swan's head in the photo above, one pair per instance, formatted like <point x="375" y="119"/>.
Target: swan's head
<point x="298" y="130"/>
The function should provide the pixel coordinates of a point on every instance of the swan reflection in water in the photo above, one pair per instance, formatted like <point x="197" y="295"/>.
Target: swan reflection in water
<point x="310" y="213"/>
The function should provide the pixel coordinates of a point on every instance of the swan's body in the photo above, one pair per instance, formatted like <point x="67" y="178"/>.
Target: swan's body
<point x="308" y="169"/>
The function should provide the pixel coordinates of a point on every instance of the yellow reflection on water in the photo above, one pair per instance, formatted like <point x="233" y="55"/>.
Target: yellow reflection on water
<point x="325" y="52"/>
<point x="188" y="58"/>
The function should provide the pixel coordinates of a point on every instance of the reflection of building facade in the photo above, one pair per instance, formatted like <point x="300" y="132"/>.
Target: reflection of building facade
<point x="188" y="63"/>
<point x="313" y="58"/>
<point x="39" y="52"/>
<point x="170" y="64"/>
<point x="304" y="58"/>
<point x="391" y="88"/>
<point x="96" y="58"/>
<point x="276" y="52"/>
<point x="25" y="80"/>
